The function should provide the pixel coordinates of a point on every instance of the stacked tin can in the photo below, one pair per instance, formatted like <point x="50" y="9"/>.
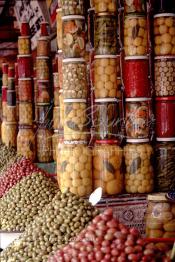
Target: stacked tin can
<point x="74" y="157"/>
<point x="164" y="74"/>
<point x="26" y="136"/>
<point x="4" y="100"/>
<point x="43" y="105"/>
<point x="139" y="177"/>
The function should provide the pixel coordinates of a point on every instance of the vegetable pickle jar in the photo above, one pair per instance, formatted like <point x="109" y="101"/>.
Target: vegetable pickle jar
<point x="24" y="47"/>
<point x="11" y="114"/>
<point x="42" y="67"/>
<point x="56" y="117"/>
<point x="75" y="119"/>
<point x="105" y="34"/>
<point x="10" y="134"/>
<point x="139" y="176"/>
<point x="105" y="76"/>
<point x="56" y="139"/>
<point x="44" y="145"/>
<point x="109" y="6"/>
<point x="160" y="217"/>
<point x="60" y="68"/>
<point x="132" y="6"/>
<point x="24" y="66"/>
<point x="135" y="35"/>
<point x="61" y="105"/>
<point x="164" y="34"/>
<point x="137" y="117"/>
<point x="72" y="7"/>
<point x="165" y="124"/>
<point x="107" y="163"/>
<point x="26" y="145"/>
<point x="165" y="164"/>
<point x="43" y="46"/>
<point x="25" y="113"/>
<point x="75" y="168"/>
<point x="107" y="119"/>
<point x="73" y="36"/>
<point x="44" y="88"/>
<point x="3" y="131"/>
<point x="43" y="113"/>
<point x="59" y="28"/>
<point x="25" y="89"/>
<point x="136" y="76"/>
<point x="164" y="71"/>
<point x="56" y="88"/>
<point x="74" y="78"/>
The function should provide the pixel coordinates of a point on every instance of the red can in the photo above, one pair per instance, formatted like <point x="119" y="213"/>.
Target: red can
<point x="25" y="29"/>
<point x="24" y="66"/>
<point x="45" y="29"/>
<point x="5" y="68"/>
<point x="43" y="95"/>
<point x="25" y="90"/>
<point x="4" y="94"/>
<point x="165" y="121"/>
<point x="11" y="97"/>
<point x="136" y="76"/>
<point x="11" y="71"/>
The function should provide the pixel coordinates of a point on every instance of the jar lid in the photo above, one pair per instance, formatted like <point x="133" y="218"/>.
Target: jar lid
<point x="43" y="38"/>
<point x="137" y="141"/>
<point x="25" y="102"/>
<point x="22" y="56"/>
<point x="25" y="126"/>
<point x="104" y="56"/>
<point x="42" y="57"/>
<point x="11" y="78"/>
<point x="25" y="79"/>
<point x="164" y="14"/>
<point x="60" y="52"/>
<point x="137" y="99"/>
<point x="157" y="197"/>
<point x="56" y="107"/>
<point x="75" y="142"/>
<point x="11" y="91"/>
<point x="105" y="14"/>
<point x="74" y="100"/>
<point x="164" y="57"/>
<point x="43" y="81"/>
<point x="4" y="87"/>
<point x="104" y="142"/>
<point x="74" y="60"/>
<point x="61" y="91"/>
<point x="136" y="57"/>
<point x="100" y="100"/>
<point x="43" y="104"/>
<point x="72" y="17"/>
<point x="11" y="123"/>
<point x="168" y="98"/>
<point x="23" y="37"/>
<point x="167" y="139"/>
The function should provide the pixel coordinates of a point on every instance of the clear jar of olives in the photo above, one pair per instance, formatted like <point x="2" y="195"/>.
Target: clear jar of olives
<point x="107" y="163"/>
<point x="56" y="117"/>
<point x="25" y="113"/>
<point x="72" y="7"/>
<point x="75" y="168"/>
<point x="106" y="118"/>
<point x="160" y="217"/>
<point x="26" y="145"/>
<point x="10" y="134"/>
<point x="139" y="176"/>
<point x="102" y="6"/>
<point x="44" y="145"/>
<point x="56" y="139"/>
<point x="59" y="28"/>
<point x="131" y="7"/>
<point x="165" y="164"/>
<point x="3" y="131"/>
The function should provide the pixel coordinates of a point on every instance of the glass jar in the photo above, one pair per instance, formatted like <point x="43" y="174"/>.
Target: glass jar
<point x="164" y="34"/>
<point x="73" y="36"/>
<point x="165" y="124"/>
<point x="3" y="131"/>
<point x="105" y="76"/>
<point x="56" y="88"/>
<point x="105" y="34"/>
<point x="43" y="113"/>
<point x="25" y="113"/>
<point x="107" y="119"/>
<point x="74" y="78"/>
<point x="61" y="105"/>
<point x="4" y="74"/>
<point x="56" y="117"/>
<point x="56" y="139"/>
<point x="42" y="68"/>
<point x="10" y="134"/>
<point x="35" y="89"/>
<point x="43" y="46"/>
<point x="75" y="168"/>
<point x="11" y="114"/>
<point x="26" y="145"/>
<point x="44" y="145"/>
<point x="139" y="176"/>
<point x="135" y="35"/>
<point x="165" y="164"/>
<point x="108" y="6"/>
<point x="137" y="117"/>
<point x="11" y="83"/>
<point x="107" y="163"/>
<point x="72" y="7"/>
<point x="25" y="89"/>
<point x="11" y="97"/>
<point x="43" y="89"/>
<point x="24" y="47"/>
<point x="75" y="119"/>
<point x="24" y="66"/>
<point x="59" y="28"/>
<point x="160" y="217"/>
<point x="138" y="6"/>
<point x="136" y="76"/>
<point x="60" y="68"/>
<point x="164" y="71"/>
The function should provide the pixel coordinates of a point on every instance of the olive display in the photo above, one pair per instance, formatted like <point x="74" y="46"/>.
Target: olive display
<point x="6" y="155"/>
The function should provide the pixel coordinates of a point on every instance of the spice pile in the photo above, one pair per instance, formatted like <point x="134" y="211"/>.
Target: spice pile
<point x="7" y="155"/>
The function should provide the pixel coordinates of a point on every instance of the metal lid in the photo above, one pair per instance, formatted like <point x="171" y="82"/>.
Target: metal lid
<point x="23" y="37"/>
<point x="167" y="139"/>
<point x="134" y="16"/>
<point x="104" y="56"/>
<point x="74" y="60"/>
<point x="136" y="57"/>
<point x="25" y="79"/>
<point x="105" y="14"/>
<point x="164" y="15"/>
<point x="107" y="141"/>
<point x="100" y="100"/>
<point x="42" y="57"/>
<point x="43" y="104"/>
<point x="43" y="38"/>
<point x="22" y="56"/>
<point x="74" y="100"/>
<point x="72" y="17"/>
<point x="164" y="57"/>
<point x="137" y="141"/>
<point x="137" y="99"/>
<point x="157" y="197"/>
<point x="75" y="142"/>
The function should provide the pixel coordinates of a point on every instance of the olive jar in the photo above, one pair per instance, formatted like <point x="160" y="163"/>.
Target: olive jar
<point x="107" y="163"/>
<point x="139" y="175"/>
<point x="44" y="145"/>
<point x="11" y="134"/>
<point x="101" y="6"/>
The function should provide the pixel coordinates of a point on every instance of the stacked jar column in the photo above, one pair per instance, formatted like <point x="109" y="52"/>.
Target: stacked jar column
<point x="26" y="136"/>
<point x="164" y="72"/>
<point x="4" y="100"/>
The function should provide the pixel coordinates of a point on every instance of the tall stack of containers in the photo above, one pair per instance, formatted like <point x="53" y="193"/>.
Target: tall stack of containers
<point x="138" y="150"/>
<point x="107" y="154"/>
<point x="164" y="73"/>
<point x="44" y="97"/>
<point x="4" y="100"/>
<point x="74" y="157"/>
<point x="17" y="93"/>
<point x="26" y="137"/>
<point x="11" y="124"/>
